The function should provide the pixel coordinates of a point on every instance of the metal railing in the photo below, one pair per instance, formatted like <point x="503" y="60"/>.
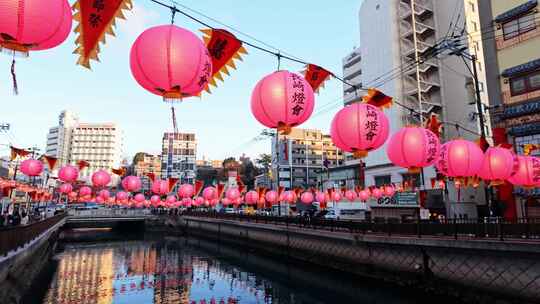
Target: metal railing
<point x="526" y="228"/>
<point x="14" y="237"/>
<point x="108" y="213"/>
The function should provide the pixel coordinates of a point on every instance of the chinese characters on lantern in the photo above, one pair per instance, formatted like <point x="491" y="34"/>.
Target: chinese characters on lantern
<point x="371" y="124"/>
<point x="432" y="144"/>
<point x="298" y="96"/>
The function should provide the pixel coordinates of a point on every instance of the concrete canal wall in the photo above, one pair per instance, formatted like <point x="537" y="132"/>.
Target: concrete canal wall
<point x="505" y="269"/>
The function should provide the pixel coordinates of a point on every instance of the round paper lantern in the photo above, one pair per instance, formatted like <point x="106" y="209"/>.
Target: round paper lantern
<point x="160" y="187"/>
<point x="389" y="190"/>
<point x="131" y="183"/>
<point x="85" y="191"/>
<point x="72" y="195"/>
<point x="101" y="178"/>
<point x="155" y="200"/>
<point x="214" y="202"/>
<point x="499" y="164"/>
<point x="336" y="196"/>
<point x="187" y="202"/>
<point x="32" y="25"/>
<point x="198" y="201"/>
<point x="209" y="193"/>
<point x="252" y="197"/>
<point x="185" y="190"/>
<point x="321" y="197"/>
<point x="350" y="195"/>
<point x="528" y="172"/>
<point x="289" y="197"/>
<point x="232" y="194"/>
<point x="377" y="193"/>
<point x="460" y="158"/>
<point x="271" y="197"/>
<point x="31" y="167"/>
<point x="413" y="148"/>
<point x="364" y="195"/>
<point x="225" y="201"/>
<point x="171" y="62"/>
<point x="139" y="197"/>
<point x="282" y="100"/>
<point x="306" y="197"/>
<point x="65" y="188"/>
<point x="100" y="200"/>
<point x="121" y="196"/>
<point x="359" y="128"/>
<point x="68" y="173"/>
<point x="171" y="199"/>
<point x="105" y="194"/>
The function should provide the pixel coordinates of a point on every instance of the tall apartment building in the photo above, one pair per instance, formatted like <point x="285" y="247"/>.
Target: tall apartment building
<point x="352" y="74"/>
<point x="304" y="156"/>
<point x="99" y="144"/>
<point x="178" y="156"/>
<point x="143" y="164"/>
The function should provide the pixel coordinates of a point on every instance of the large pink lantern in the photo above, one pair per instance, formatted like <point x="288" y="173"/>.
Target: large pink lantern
<point x="85" y="191"/>
<point x="460" y="158"/>
<point x="528" y="173"/>
<point x="232" y="194"/>
<point x="289" y="197"/>
<point x="209" y="193"/>
<point x="131" y="183"/>
<point x="104" y="194"/>
<point x="121" y="196"/>
<point x="271" y="196"/>
<point x="252" y="197"/>
<point x="282" y="100"/>
<point x="185" y="190"/>
<point x="413" y="148"/>
<point x="101" y="178"/>
<point x="32" y="25"/>
<point x="155" y="200"/>
<point x="364" y="195"/>
<point x="171" y="62"/>
<point x="139" y="197"/>
<point x="65" y="188"/>
<point x="160" y="187"/>
<point x="31" y="167"/>
<point x="359" y="128"/>
<point x="306" y="197"/>
<point x="171" y="199"/>
<point x="68" y="173"/>
<point x="350" y="195"/>
<point x="499" y="164"/>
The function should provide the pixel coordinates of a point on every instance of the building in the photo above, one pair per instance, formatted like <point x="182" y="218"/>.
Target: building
<point x="210" y="163"/>
<point x="509" y="35"/>
<point x="178" y="156"/>
<point x="99" y="144"/>
<point x="145" y="164"/>
<point x="304" y="156"/>
<point x="352" y="74"/>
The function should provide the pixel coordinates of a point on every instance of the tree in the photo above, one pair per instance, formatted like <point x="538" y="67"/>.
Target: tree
<point x="264" y="161"/>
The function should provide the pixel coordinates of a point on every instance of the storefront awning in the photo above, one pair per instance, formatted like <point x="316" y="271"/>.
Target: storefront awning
<point x="516" y="11"/>
<point x="522" y="68"/>
<point x="525" y="129"/>
<point x="522" y="109"/>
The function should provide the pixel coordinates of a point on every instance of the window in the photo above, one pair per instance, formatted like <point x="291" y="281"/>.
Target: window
<point x="412" y="178"/>
<point x="525" y="83"/>
<point x="383" y="180"/>
<point x="518" y="26"/>
<point x="474" y="26"/>
<point x="472" y="6"/>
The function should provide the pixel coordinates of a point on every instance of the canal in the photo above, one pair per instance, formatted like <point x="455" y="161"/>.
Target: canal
<point x="100" y="267"/>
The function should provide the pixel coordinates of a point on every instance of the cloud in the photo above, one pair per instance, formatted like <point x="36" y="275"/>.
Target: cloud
<point x="137" y="20"/>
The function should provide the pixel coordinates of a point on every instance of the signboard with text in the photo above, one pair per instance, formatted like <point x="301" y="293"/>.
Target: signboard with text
<point x="400" y="199"/>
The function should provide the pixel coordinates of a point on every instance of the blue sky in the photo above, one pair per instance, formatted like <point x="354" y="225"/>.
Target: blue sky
<point x="49" y="81"/>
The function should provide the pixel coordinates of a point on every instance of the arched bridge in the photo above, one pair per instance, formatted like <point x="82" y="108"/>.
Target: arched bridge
<point x="100" y="218"/>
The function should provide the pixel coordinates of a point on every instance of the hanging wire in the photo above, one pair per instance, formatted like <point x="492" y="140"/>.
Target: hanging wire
<point x="173" y="14"/>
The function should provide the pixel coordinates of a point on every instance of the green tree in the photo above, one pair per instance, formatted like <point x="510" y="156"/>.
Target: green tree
<point x="264" y="161"/>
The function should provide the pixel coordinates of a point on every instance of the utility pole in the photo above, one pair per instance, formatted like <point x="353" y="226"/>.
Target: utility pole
<point x="478" y="101"/>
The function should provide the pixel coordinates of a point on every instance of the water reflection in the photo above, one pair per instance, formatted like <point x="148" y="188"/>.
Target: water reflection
<point x="178" y="272"/>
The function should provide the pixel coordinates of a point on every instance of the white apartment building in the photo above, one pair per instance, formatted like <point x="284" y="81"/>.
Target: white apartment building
<point x="352" y="74"/>
<point x="99" y="144"/>
<point x="178" y="156"/>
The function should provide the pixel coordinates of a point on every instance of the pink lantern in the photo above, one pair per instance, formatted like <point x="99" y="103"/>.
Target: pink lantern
<point x="101" y="178"/>
<point x="33" y="25"/>
<point x="389" y="190"/>
<point x="155" y="200"/>
<point x="147" y="204"/>
<point x="31" y="167"/>
<point x="187" y="202"/>
<point x="364" y="195"/>
<point x="289" y="197"/>
<point x="413" y="148"/>
<point x="321" y="197"/>
<point x="377" y="193"/>
<point x="68" y="174"/>
<point x="139" y="197"/>
<point x="232" y="194"/>
<point x="350" y="195"/>
<point x="359" y="128"/>
<point x="171" y="62"/>
<point x="271" y="196"/>
<point x="85" y="191"/>
<point x="306" y="197"/>
<point x="460" y="158"/>
<point x="336" y="196"/>
<point x="131" y="183"/>
<point x="65" y="188"/>
<point x="72" y="195"/>
<point x="100" y="200"/>
<point x="121" y="196"/>
<point x="209" y="193"/>
<point x="214" y="202"/>
<point x="171" y="199"/>
<point x="282" y="100"/>
<point x="225" y="201"/>
<point x="499" y="164"/>
<point x="185" y="190"/>
<point x="160" y="187"/>
<point x="252" y="197"/>
<point x="105" y="194"/>
<point x="198" y="201"/>
<point x="528" y="173"/>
